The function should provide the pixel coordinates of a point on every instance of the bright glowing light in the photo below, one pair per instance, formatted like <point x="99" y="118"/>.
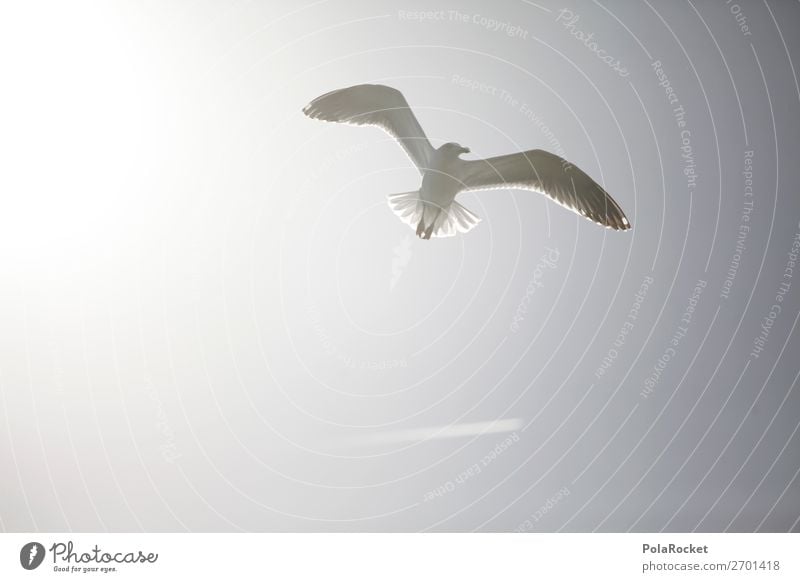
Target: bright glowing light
<point x="77" y="112"/>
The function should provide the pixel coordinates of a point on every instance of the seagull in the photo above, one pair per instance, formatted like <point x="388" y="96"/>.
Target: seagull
<point x="432" y="210"/>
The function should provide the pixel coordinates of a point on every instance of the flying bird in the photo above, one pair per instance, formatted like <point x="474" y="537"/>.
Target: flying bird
<point x="432" y="210"/>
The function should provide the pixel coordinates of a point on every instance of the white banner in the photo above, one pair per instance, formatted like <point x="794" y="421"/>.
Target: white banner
<point x="400" y="557"/>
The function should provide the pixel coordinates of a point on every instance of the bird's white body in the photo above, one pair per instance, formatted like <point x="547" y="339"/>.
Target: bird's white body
<point x="432" y="210"/>
<point x="439" y="184"/>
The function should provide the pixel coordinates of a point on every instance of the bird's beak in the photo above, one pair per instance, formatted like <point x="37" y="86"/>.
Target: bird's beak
<point x="464" y="150"/>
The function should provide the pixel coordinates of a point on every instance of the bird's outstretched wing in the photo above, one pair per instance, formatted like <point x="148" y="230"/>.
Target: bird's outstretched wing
<point x="377" y="105"/>
<point x="548" y="174"/>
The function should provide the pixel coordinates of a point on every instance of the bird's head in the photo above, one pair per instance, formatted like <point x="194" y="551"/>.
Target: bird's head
<point x="454" y="149"/>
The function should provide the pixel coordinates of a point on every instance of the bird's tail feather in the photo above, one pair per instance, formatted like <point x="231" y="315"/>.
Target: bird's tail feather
<point x="407" y="206"/>
<point x="410" y="208"/>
